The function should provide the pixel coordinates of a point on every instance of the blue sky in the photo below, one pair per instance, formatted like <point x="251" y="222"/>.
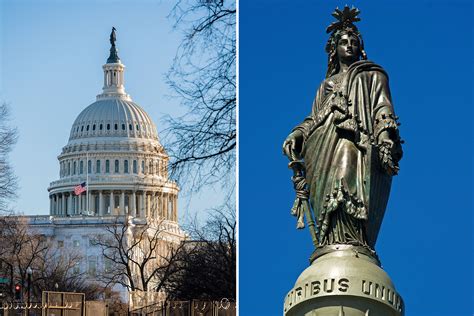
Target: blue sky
<point x="426" y="240"/>
<point x="51" y="57"/>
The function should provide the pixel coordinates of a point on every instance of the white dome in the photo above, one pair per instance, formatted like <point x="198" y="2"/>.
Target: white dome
<point x="113" y="117"/>
<point x="115" y="154"/>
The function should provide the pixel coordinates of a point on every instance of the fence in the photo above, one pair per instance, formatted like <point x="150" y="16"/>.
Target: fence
<point x="223" y="307"/>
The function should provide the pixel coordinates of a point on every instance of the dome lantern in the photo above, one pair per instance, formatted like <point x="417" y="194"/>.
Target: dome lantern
<point x="113" y="74"/>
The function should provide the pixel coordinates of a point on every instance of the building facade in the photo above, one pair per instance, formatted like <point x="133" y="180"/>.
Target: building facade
<point x="115" y="152"/>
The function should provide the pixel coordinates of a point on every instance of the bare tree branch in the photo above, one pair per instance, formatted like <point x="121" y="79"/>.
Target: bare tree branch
<point x="209" y="261"/>
<point x="202" y="142"/>
<point x="140" y="256"/>
<point x="8" y="137"/>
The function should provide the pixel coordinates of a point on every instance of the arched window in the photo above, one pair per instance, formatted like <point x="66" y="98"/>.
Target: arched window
<point x="116" y="166"/>
<point x="143" y="166"/>
<point x="125" y="166"/>
<point x="101" y="126"/>
<point x="81" y="167"/>
<point x="75" y="168"/>
<point x="89" y="166"/>
<point x="138" y="128"/>
<point x="108" y="126"/>
<point x="130" y="126"/>
<point x="87" y="128"/>
<point x="107" y="166"/>
<point x="116" y="126"/>
<point x="97" y="166"/>
<point x="93" y="127"/>
<point x="123" y="126"/>
<point x="135" y="169"/>
<point x="82" y="128"/>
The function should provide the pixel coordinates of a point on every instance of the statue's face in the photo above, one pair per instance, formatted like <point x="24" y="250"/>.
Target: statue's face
<point x="348" y="48"/>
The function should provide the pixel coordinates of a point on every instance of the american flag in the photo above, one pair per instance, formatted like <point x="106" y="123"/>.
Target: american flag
<point x="78" y="189"/>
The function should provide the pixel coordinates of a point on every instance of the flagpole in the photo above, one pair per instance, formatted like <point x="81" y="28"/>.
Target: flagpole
<point x="87" y="181"/>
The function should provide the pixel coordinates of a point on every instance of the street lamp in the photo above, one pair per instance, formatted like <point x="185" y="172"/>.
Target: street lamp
<point x="29" y="272"/>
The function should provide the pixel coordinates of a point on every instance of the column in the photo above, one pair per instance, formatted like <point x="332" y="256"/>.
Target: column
<point x="133" y="204"/>
<point x="101" y="204"/>
<point x="139" y="205"/>
<point x="63" y="204"/>
<point x="160" y="206"/>
<point x="50" y="205"/>
<point x="122" y="203"/>
<point x="142" y="205"/>
<point x="153" y="204"/>
<point x="112" y="203"/>
<point x="175" y="208"/>
<point x="76" y="204"/>
<point x="69" y="204"/>
<point x="148" y="205"/>
<point x="79" y="208"/>
<point x="73" y="204"/>
<point x="166" y="206"/>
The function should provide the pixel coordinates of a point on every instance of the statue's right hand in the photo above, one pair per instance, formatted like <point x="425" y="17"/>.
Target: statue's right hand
<point x="292" y="145"/>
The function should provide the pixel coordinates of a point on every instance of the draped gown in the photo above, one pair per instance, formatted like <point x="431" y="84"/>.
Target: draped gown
<point x="348" y="188"/>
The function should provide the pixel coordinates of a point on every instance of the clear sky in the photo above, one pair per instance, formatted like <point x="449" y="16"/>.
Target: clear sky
<point x="426" y="240"/>
<point x="51" y="57"/>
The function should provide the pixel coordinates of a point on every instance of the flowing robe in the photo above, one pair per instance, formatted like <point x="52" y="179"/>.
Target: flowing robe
<point x="348" y="188"/>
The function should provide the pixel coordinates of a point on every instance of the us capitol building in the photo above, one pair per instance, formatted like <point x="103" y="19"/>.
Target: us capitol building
<point x="114" y="148"/>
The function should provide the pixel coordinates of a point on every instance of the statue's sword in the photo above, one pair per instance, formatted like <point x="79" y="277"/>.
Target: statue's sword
<point x="301" y="205"/>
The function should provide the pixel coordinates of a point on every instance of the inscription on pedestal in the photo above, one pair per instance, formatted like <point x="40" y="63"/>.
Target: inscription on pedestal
<point x="343" y="286"/>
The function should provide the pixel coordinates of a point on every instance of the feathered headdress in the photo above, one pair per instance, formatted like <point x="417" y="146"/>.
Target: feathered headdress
<point x="344" y="24"/>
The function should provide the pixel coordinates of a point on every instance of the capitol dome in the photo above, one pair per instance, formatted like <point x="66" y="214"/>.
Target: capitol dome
<point x="113" y="118"/>
<point x="114" y="156"/>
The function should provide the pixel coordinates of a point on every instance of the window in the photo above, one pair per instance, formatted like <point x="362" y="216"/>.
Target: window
<point x="135" y="168"/>
<point x="107" y="265"/>
<point x="116" y="126"/>
<point x="108" y="126"/>
<point x="76" y="243"/>
<point x="107" y="166"/>
<point x="125" y="166"/>
<point x="69" y="168"/>
<point x="123" y="126"/>
<point x="87" y="128"/>
<point x="92" y="267"/>
<point x="77" y="268"/>
<point x="116" y="166"/>
<point x="89" y="166"/>
<point x="97" y="166"/>
<point x="101" y="126"/>
<point x="60" y="243"/>
<point x="130" y="126"/>
<point x="93" y="127"/>
<point x="82" y="128"/>
<point x="143" y="166"/>
<point x="150" y="167"/>
<point x="138" y="128"/>
<point x="81" y="167"/>
<point x="75" y="168"/>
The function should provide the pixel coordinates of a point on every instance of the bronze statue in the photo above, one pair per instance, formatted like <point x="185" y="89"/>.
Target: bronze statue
<point x="113" y="37"/>
<point x="113" y="57"/>
<point x="346" y="151"/>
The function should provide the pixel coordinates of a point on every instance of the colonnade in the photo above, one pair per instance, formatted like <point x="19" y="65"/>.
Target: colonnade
<point x="116" y="202"/>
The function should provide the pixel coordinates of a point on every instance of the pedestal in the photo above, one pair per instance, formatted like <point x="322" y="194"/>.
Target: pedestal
<point x="344" y="282"/>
